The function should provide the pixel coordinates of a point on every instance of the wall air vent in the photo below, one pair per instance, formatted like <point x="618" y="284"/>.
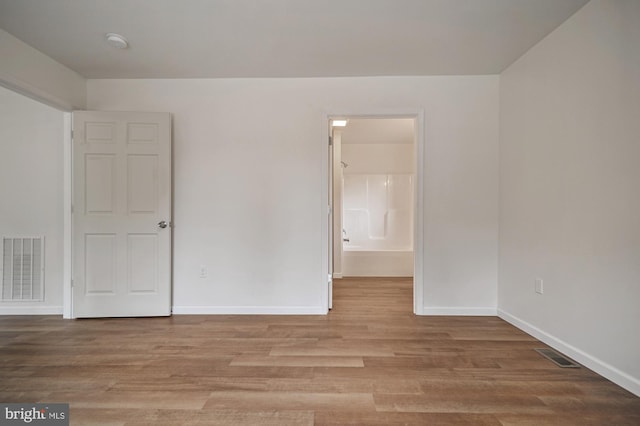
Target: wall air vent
<point x="23" y="269"/>
<point x="557" y="358"/>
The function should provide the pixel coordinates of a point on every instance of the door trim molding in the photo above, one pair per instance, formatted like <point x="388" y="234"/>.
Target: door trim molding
<point x="418" y="232"/>
<point x="67" y="267"/>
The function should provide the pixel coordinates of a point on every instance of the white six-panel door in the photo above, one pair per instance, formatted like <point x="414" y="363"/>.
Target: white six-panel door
<point x="121" y="214"/>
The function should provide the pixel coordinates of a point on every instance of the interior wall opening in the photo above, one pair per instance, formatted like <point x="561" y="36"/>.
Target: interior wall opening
<point x="373" y="195"/>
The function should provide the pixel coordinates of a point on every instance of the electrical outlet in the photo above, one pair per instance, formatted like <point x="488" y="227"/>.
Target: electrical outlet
<point x="204" y="273"/>
<point x="538" y="285"/>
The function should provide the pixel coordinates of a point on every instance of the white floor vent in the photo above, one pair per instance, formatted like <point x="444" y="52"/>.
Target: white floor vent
<point x="23" y="269"/>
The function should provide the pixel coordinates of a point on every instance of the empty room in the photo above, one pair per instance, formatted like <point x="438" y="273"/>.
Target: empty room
<point x="320" y="213"/>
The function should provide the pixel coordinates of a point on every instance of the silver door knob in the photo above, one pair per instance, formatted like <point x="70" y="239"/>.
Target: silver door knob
<point x="163" y="224"/>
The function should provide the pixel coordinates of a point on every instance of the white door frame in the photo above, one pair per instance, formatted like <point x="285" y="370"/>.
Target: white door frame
<point x="418" y="231"/>
<point x="67" y="267"/>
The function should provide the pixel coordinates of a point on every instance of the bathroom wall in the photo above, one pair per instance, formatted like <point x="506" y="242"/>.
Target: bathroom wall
<point x="378" y="158"/>
<point x="378" y="201"/>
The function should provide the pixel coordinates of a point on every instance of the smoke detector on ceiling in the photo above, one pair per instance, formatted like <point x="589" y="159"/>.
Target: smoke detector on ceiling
<point x="116" y="40"/>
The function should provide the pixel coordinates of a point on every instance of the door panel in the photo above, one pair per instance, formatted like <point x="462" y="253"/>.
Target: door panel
<point x="100" y="264"/>
<point x="100" y="183"/>
<point x="142" y="187"/>
<point x="122" y="191"/>
<point x="142" y="267"/>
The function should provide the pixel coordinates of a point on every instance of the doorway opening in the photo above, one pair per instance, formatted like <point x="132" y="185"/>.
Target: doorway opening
<point x="375" y="203"/>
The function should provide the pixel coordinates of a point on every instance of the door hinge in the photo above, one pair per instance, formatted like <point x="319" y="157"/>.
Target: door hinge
<point x="73" y="284"/>
<point x="71" y="135"/>
<point x="330" y="141"/>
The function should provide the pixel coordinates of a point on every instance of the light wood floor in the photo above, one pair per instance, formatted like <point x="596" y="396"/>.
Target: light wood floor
<point x="369" y="362"/>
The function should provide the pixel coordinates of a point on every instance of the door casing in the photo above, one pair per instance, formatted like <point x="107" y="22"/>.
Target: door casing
<point x="418" y="236"/>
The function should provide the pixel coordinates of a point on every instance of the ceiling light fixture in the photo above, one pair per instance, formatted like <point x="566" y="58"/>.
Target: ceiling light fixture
<point x="339" y="123"/>
<point x="116" y="40"/>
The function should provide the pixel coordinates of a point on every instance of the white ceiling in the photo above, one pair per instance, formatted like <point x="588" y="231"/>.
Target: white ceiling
<point x="284" y="38"/>
<point x="378" y="131"/>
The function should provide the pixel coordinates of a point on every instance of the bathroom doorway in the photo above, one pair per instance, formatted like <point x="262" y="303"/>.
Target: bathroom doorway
<point x="374" y="177"/>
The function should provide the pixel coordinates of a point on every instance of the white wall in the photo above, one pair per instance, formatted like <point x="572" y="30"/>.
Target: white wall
<point x="31" y="185"/>
<point x="32" y="73"/>
<point x="378" y="158"/>
<point x="570" y="189"/>
<point x="249" y="179"/>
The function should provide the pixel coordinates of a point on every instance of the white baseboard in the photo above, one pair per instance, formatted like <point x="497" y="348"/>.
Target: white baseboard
<point x="477" y="311"/>
<point x="30" y="310"/>
<point x="248" y="310"/>
<point x="618" y="377"/>
<point x="337" y="275"/>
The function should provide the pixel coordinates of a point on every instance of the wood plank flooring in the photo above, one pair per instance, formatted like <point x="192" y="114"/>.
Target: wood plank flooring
<point x="369" y="362"/>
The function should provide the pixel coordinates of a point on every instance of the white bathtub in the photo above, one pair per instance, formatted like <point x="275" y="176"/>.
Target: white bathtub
<point x="377" y="263"/>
